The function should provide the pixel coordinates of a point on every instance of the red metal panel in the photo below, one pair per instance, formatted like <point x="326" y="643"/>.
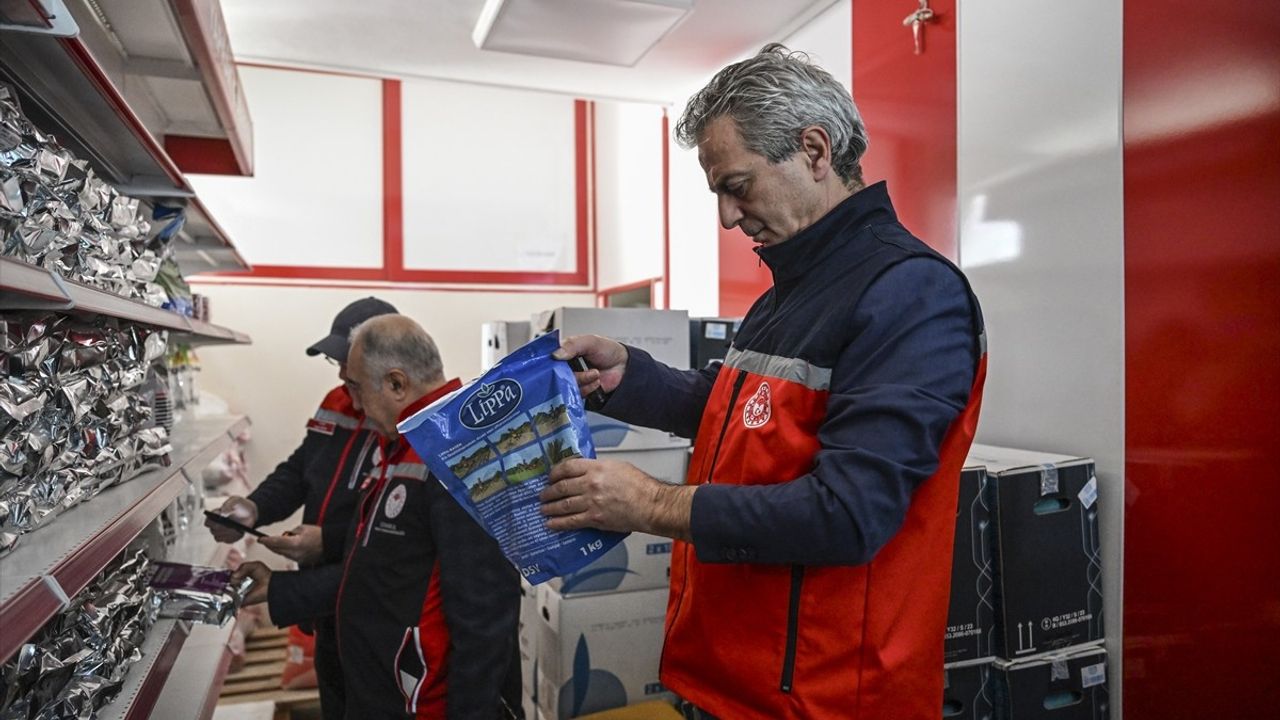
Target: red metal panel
<point x="392" y="181"/>
<point x="209" y="156"/>
<point x="908" y="102"/>
<point x="1202" y="368"/>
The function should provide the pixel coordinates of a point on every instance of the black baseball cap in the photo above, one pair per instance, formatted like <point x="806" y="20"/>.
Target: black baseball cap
<point x="338" y="342"/>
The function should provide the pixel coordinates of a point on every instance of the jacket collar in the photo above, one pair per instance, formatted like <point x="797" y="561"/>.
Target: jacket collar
<point x="429" y="398"/>
<point x="795" y="257"/>
<point x="393" y="448"/>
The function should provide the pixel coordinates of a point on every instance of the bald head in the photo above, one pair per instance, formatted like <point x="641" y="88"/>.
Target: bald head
<point x="393" y="362"/>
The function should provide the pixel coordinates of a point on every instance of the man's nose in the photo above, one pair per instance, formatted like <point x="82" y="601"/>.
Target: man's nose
<point x="730" y="213"/>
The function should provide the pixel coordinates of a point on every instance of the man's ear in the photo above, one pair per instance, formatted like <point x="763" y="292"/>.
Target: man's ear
<point x="399" y="383"/>
<point x="815" y="143"/>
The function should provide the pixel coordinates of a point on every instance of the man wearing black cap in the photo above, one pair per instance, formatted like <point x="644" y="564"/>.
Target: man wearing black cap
<point x="323" y="477"/>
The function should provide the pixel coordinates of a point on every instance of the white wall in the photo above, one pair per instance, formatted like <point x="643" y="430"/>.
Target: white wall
<point x="828" y="40"/>
<point x="316" y="196"/>
<point x="1041" y="239"/>
<point x="628" y="192"/>
<point x="278" y="386"/>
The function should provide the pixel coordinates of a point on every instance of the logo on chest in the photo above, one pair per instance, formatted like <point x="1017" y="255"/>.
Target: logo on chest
<point x="759" y="407"/>
<point x="324" y="427"/>
<point x="395" y="501"/>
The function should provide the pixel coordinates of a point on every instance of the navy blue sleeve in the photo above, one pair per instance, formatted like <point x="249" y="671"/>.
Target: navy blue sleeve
<point x="655" y="395"/>
<point x="303" y="595"/>
<point x="282" y="492"/>
<point x="896" y="388"/>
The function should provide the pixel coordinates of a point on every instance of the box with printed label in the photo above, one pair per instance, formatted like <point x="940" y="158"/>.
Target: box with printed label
<point x="528" y="634"/>
<point x="664" y="334"/>
<point x="640" y="562"/>
<point x="966" y="690"/>
<point x="1072" y="686"/>
<point x="709" y="339"/>
<point x="1047" y="562"/>
<point x="970" y="619"/>
<point x="598" y="652"/>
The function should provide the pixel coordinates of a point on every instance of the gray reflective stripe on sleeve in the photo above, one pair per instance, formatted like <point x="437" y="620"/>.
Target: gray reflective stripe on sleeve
<point x="416" y="471"/>
<point x="343" y="421"/>
<point x="784" y="368"/>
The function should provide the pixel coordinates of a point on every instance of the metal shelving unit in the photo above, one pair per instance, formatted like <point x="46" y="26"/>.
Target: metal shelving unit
<point x="82" y="88"/>
<point x="53" y="563"/>
<point x="24" y="286"/>
<point x="139" y="89"/>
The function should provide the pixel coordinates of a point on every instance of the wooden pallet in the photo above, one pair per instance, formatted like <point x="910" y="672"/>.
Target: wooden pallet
<point x="259" y="679"/>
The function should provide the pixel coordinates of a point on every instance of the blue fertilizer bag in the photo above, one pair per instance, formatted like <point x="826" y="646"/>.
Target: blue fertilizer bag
<point x="492" y="444"/>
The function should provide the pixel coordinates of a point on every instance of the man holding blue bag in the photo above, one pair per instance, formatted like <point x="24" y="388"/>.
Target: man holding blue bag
<point x="815" y="532"/>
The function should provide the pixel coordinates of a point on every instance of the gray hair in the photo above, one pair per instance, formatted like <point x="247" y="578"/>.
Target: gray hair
<point x="403" y="346"/>
<point x="772" y="97"/>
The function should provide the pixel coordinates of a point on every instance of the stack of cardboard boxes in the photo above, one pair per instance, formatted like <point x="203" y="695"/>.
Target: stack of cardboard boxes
<point x="592" y="640"/>
<point x="1024" y="633"/>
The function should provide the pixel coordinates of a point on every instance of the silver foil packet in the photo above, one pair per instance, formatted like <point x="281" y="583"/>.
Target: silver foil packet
<point x="200" y="594"/>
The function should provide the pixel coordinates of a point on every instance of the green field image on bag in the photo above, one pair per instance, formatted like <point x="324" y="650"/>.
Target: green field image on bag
<point x="521" y="450"/>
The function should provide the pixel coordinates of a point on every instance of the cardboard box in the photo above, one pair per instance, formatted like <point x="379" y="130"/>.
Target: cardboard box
<point x="529" y="631"/>
<point x="1072" y="686"/>
<point x="967" y="691"/>
<point x="971" y="617"/>
<point x="640" y="562"/>
<point x="599" y="652"/>
<point x="664" y="334"/>
<point x="1047" y="563"/>
<point x="499" y="338"/>
<point x="709" y="339"/>
<point x="668" y="465"/>
<point x="610" y="434"/>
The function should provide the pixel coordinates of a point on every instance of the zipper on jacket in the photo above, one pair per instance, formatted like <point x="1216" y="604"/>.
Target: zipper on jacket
<point x="793" y="628"/>
<point x="738" y="382"/>
<point x="728" y="417"/>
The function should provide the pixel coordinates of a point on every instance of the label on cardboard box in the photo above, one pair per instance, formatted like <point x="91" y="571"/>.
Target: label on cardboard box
<point x="1091" y="675"/>
<point x="1089" y="493"/>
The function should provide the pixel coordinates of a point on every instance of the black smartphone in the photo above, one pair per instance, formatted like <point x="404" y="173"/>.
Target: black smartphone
<point x="596" y="399"/>
<point x="225" y="521"/>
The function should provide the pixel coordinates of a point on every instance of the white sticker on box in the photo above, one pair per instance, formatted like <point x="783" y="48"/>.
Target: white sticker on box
<point x="716" y="331"/>
<point x="1089" y="493"/>
<point x="1091" y="675"/>
<point x="1048" y="480"/>
<point x="1058" y="671"/>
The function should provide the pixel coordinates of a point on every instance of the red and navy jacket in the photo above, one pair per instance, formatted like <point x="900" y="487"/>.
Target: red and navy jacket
<point x="427" y="607"/>
<point x="828" y="453"/>
<point x="323" y="474"/>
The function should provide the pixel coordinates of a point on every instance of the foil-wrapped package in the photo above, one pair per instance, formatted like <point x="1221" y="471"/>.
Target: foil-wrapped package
<point x="200" y="594"/>
<point x="77" y="662"/>
<point x="57" y="214"/>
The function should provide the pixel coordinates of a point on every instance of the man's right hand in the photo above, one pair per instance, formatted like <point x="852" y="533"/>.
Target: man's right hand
<point x="607" y="358"/>
<point x="242" y="510"/>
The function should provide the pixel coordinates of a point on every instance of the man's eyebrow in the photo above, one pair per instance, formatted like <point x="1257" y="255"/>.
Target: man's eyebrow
<point x="724" y="181"/>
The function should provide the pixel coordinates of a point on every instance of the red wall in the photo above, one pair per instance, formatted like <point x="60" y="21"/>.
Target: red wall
<point x="908" y="102"/>
<point x="1202" y="370"/>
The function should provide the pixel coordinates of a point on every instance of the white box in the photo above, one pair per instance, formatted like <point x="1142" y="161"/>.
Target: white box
<point x="640" y="562"/>
<point x="664" y="334"/>
<point x="668" y="465"/>
<point x="529" y="632"/>
<point x="499" y="338"/>
<point x="610" y="434"/>
<point x="598" y="652"/>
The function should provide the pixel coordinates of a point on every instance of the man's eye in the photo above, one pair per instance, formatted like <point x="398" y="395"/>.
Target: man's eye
<point x="738" y="190"/>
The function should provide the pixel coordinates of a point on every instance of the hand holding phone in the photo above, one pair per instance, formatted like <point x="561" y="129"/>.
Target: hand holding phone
<point x="225" y="521"/>
<point x="596" y="399"/>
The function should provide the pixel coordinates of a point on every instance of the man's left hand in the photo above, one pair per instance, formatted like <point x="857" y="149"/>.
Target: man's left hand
<point x="613" y="495"/>
<point x="303" y="544"/>
<point x="261" y="575"/>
